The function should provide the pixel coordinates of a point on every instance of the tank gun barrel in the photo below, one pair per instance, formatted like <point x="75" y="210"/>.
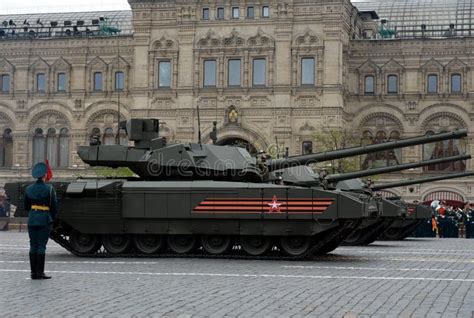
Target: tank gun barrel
<point x="422" y="180"/>
<point x="371" y="172"/>
<point x="354" y="151"/>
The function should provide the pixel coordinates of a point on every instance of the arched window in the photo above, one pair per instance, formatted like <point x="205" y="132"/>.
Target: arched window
<point x="456" y="83"/>
<point x="381" y="158"/>
<point x="392" y="84"/>
<point x="369" y="87"/>
<point x="432" y="84"/>
<point x="52" y="147"/>
<point x="95" y="132"/>
<point x="38" y="146"/>
<point x="6" y="148"/>
<point x="109" y="138"/>
<point x="64" y="148"/>
<point x="123" y="139"/>
<point x="307" y="147"/>
<point x="441" y="149"/>
<point x="95" y="137"/>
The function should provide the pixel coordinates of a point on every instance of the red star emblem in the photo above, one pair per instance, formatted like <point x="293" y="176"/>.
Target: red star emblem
<point x="274" y="205"/>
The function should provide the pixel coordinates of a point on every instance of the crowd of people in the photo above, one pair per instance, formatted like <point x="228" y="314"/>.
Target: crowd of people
<point x="448" y="221"/>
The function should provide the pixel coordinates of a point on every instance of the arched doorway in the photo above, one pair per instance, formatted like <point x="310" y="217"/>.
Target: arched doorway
<point x="238" y="142"/>
<point x="6" y="148"/>
<point x="451" y="198"/>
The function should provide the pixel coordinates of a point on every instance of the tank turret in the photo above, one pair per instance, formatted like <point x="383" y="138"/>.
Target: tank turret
<point x="152" y="159"/>
<point x="355" y="151"/>
<point x="304" y="175"/>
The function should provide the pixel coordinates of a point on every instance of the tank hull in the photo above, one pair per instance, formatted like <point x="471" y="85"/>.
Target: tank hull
<point x="402" y="228"/>
<point x="98" y="209"/>
<point x="371" y="228"/>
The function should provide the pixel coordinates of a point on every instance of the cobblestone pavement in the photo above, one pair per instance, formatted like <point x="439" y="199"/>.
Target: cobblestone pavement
<point x="411" y="278"/>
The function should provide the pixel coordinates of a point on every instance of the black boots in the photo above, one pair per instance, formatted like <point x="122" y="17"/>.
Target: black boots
<point x="37" y="266"/>
<point x="40" y="267"/>
<point x="33" y="266"/>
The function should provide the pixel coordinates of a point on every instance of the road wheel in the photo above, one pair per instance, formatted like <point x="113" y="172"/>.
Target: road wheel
<point x="255" y="245"/>
<point x="116" y="243"/>
<point x="84" y="243"/>
<point x="148" y="243"/>
<point x="355" y="238"/>
<point x="295" y="245"/>
<point x="216" y="244"/>
<point x="182" y="244"/>
<point x="392" y="234"/>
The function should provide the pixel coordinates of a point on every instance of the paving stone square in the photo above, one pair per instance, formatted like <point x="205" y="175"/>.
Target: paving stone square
<point x="410" y="278"/>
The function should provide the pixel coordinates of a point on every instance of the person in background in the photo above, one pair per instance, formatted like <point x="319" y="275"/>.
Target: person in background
<point x="40" y="202"/>
<point x="441" y="219"/>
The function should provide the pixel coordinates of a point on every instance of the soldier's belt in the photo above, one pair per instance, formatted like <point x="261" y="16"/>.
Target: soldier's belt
<point x="40" y="207"/>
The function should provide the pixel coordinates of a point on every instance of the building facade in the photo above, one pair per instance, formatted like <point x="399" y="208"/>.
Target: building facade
<point x="271" y="73"/>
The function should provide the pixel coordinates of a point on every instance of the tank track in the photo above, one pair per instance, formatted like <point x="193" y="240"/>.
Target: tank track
<point x="375" y="235"/>
<point x="322" y="244"/>
<point x="370" y="233"/>
<point x="403" y="232"/>
<point x="409" y="230"/>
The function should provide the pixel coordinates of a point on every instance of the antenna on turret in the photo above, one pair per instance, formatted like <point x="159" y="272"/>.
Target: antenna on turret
<point x="277" y="148"/>
<point x="199" y="126"/>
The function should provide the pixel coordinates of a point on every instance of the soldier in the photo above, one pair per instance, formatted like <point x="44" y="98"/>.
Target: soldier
<point x="40" y="201"/>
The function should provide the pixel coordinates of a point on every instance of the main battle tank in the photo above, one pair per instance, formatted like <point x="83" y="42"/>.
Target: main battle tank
<point x="418" y="213"/>
<point x="206" y="199"/>
<point x="371" y="228"/>
<point x="389" y="212"/>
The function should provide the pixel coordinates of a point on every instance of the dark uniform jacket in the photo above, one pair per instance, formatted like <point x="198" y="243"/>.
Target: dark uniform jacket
<point x="39" y="193"/>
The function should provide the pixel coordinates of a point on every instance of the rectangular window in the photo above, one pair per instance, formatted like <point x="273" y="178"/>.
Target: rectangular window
<point x="307" y="71"/>
<point x="456" y="83"/>
<point x="392" y="84"/>
<point x="250" y="12"/>
<point x="369" y="85"/>
<point x="432" y="83"/>
<point x="97" y="81"/>
<point x="164" y="71"/>
<point x="119" y="81"/>
<point x="5" y="84"/>
<point x="235" y="13"/>
<point x="40" y="82"/>
<point x="61" y="84"/>
<point x="210" y="73"/>
<point x="265" y="12"/>
<point x="205" y="14"/>
<point x="220" y="13"/>
<point x="234" y="73"/>
<point x="258" y="72"/>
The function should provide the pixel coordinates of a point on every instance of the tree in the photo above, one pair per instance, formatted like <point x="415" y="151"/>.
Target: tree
<point x="330" y="139"/>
